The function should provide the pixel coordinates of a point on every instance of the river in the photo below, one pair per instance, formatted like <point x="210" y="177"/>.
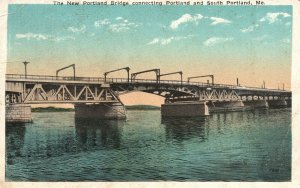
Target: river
<point x="236" y="146"/>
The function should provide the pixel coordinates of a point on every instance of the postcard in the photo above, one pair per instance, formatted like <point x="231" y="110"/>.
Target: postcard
<point x="149" y="93"/>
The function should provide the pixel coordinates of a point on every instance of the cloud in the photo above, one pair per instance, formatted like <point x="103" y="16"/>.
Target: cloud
<point x="217" y="20"/>
<point x="119" y="25"/>
<point x="286" y="40"/>
<point x="103" y="22"/>
<point x="58" y="39"/>
<point x="162" y="41"/>
<point x="216" y="40"/>
<point x="250" y="28"/>
<point x="40" y="37"/>
<point x="273" y="17"/>
<point x="81" y="29"/>
<point x="29" y="36"/>
<point x="185" y="19"/>
<point x="123" y="26"/>
<point x="165" y="41"/>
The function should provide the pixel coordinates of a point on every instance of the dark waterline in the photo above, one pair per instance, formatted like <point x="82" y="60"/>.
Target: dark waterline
<point x="236" y="146"/>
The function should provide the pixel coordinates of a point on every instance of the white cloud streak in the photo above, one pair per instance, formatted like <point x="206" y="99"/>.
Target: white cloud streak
<point x="40" y="37"/>
<point x="250" y="28"/>
<point x="185" y="19"/>
<point x="29" y="36"/>
<point x="273" y="17"/>
<point x="286" y="40"/>
<point x="81" y="29"/>
<point x="119" y="25"/>
<point x="165" y="41"/>
<point x="102" y="22"/>
<point x="217" y="21"/>
<point x="58" y="39"/>
<point x="216" y="40"/>
<point x="123" y="26"/>
<point x="188" y="18"/>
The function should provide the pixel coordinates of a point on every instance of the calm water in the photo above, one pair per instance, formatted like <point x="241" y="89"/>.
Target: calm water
<point x="236" y="146"/>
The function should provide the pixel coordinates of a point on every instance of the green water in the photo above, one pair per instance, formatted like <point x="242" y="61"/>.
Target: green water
<point x="236" y="146"/>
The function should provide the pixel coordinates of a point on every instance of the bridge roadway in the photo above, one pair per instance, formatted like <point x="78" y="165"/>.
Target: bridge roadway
<point x="40" y="89"/>
<point x="15" y="83"/>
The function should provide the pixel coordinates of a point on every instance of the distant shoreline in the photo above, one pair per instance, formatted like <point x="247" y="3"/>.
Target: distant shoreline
<point x="131" y="107"/>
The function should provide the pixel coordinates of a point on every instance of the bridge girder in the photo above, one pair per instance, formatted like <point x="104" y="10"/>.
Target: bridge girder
<point x="157" y="72"/>
<point x="64" y="93"/>
<point x="177" y="91"/>
<point x="178" y="72"/>
<point x="43" y="89"/>
<point x="125" y="68"/>
<point x="72" y="65"/>
<point x="210" y="76"/>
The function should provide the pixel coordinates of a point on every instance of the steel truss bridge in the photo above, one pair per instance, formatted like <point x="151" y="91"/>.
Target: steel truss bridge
<point x="38" y="89"/>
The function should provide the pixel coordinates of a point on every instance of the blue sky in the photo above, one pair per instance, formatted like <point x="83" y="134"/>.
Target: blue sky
<point x="229" y="41"/>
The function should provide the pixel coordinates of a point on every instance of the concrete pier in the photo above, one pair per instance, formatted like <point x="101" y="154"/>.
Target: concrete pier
<point x="281" y="103"/>
<point x="289" y="103"/>
<point x="100" y="111"/>
<point x="18" y="113"/>
<point x="256" y="103"/>
<point x="184" y="109"/>
<point x="226" y="106"/>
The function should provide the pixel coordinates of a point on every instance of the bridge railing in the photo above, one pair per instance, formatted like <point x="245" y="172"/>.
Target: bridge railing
<point x="170" y="82"/>
<point x="53" y="78"/>
<point x="185" y="83"/>
<point x="125" y="80"/>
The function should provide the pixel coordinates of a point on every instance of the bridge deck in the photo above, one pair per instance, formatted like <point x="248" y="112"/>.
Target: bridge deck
<point x="99" y="80"/>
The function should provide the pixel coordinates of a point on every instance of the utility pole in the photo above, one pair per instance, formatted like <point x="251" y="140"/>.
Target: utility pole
<point x="25" y="64"/>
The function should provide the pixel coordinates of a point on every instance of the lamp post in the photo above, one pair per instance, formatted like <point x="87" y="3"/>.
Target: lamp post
<point x="25" y="64"/>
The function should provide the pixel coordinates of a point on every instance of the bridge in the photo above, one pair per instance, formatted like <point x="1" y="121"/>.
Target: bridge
<point x="99" y="96"/>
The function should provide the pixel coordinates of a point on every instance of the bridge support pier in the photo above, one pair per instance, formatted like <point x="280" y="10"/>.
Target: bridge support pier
<point x="289" y="102"/>
<point x="256" y="103"/>
<point x="184" y="109"/>
<point x="18" y="113"/>
<point x="226" y="106"/>
<point x="281" y="103"/>
<point x="114" y="110"/>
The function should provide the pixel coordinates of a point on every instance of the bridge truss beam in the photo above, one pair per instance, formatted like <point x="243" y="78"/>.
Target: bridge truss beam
<point x="157" y="72"/>
<point x="210" y="76"/>
<point x="72" y="65"/>
<point x="178" y="72"/>
<point x="125" y="68"/>
<point x="63" y="93"/>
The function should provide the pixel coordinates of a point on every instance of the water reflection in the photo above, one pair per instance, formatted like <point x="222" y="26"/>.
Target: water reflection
<point x="247" y="146"/>
<point x="225" y="117"/>
<point x="15" y="133"/>
<point x="256" y="114"/>
<point x="39" y="141"/>
<point x="92" y="133"/>
<point x="181" y="129"/>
